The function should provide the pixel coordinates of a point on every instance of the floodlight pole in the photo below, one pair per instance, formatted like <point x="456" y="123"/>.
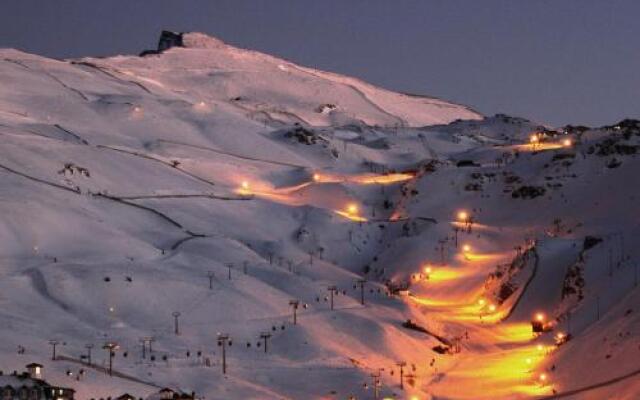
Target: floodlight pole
<point x="332" y="290"/>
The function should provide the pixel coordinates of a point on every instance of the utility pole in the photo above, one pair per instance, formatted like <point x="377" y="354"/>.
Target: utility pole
<point x="53" y="344"/>
<point x="176" y="315"/>
<point x="145" y="340"/>
<point x="144" y="348"/>
<point x="401" y="364"/>
<point x="111" y="347"/>
<point x="294" y="305"/>
<point x="441" y="243"/>
<point x="376" y="384"/>
<point x="332" y="289"/>
<point x="211" y="276"/>
<point x="223" y="340"/>
<point x="361" y="283"/>
<point x="88" y="346"/>
<point x="265" y="337"/>
<point x="230" y="266"/>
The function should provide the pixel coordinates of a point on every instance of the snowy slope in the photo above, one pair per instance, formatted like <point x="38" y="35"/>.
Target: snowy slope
<point x="134" y="187"/>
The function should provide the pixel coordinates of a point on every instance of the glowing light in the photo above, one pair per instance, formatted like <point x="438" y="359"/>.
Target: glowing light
<point x="540" y="317"/>
<point x="534" y="138"/>
<point x="529" y="360"/>
<point x="316" y="177"/>
<point x="540" y="348"/>
<point x="466" y="248"/>
<point x="567" y="143"/>
<point x="352" y="209"/>
<point x="543" y="378"/>
<point x="385" y="179"/>
<point x="463" y="216"/>
<point x="112" y="309"/>
<point x="492" y="307"/>
<point x="482" y="302"/>
<point x="427" y="270"/>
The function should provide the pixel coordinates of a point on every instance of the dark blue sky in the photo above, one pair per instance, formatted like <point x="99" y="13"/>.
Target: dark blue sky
<point x="552" y="61"/>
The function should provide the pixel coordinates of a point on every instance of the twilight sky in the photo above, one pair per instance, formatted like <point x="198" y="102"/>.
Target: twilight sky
<point x="553" y="61"/>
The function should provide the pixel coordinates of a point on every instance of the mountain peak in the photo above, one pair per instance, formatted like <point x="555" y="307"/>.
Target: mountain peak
<point x="192" y="40"/>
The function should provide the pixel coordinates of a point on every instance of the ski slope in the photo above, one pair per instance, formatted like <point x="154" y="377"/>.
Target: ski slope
<point x="222" y="183"/>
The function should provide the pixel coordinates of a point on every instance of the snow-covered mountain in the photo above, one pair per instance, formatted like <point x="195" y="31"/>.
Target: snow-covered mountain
<point x="222" y="183"/>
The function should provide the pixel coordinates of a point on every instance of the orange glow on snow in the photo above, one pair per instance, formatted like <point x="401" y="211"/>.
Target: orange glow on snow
<point x="364" y="179"/>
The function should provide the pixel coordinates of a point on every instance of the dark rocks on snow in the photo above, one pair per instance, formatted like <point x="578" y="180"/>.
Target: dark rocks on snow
<point x="590" y="242"/>
<point x="528" y="192"/>
<point x="467" y="163"/>
<point x="304" y="135"/>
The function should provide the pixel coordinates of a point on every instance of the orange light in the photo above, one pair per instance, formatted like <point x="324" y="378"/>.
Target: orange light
<point x="466" y="248"/>
<point x="540" y="317"/>
<point x="427" y="270"/>
<point x="482" y="302"/>
<point x="352" y="209"/>
<point x="540" y="347"/>
<point x="543" y="377"/>
<point x="492" y="307"/>
<point x="463" y="216"/>
<point x="245" y="185"/>
<point x="316" y="177"/>
<point x="567" y="143"/>
<point x="534" y="138"/>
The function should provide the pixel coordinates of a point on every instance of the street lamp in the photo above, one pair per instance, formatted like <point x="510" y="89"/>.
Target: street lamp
<point x="466" y="249"/>
<point x="111" y="347"/>
<point x="543" y="378"/>
<point x="538" y="323"/>
<point x="352" y="209"/>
